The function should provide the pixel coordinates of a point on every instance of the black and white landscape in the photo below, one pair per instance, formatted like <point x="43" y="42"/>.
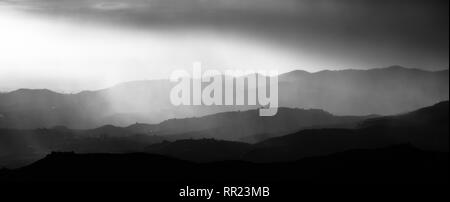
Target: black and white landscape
<point x="363" y="92"/>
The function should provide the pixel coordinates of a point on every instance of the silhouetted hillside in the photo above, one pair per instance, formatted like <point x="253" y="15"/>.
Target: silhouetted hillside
<point x="397" y="164"/>
<point x="21" y="147"/>
<point x="381" y="91"/>
<point x="425" y="128"/>
<point x="248" y="125"/>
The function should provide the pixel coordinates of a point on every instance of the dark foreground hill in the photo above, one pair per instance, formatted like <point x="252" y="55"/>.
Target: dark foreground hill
<point x="204" y="150"/>
<point x="395" y="164"/>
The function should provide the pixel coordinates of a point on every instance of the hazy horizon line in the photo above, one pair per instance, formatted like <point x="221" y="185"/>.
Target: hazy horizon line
<point x="167" y="79"/>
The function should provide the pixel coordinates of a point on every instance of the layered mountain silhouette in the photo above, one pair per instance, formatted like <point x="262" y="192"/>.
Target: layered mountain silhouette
<point x="383" y="91"/>
<point x="406" y="148"/>
<point x="19" y="147"/>
<point x="426" y="129"/>
<point x="248" y="126"/>
<point x="379" y="125"/>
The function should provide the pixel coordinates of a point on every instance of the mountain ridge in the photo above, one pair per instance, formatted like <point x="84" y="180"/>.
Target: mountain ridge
<point x="418" y="128"/>
<point x="297" y="71"/>
<point x="346" y="92"/>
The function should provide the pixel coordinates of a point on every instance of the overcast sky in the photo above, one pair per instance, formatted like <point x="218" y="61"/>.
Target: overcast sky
<point x="71" y="45"/>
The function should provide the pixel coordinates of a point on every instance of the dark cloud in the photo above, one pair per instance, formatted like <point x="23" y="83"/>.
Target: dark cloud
<point x="373" y="32"/>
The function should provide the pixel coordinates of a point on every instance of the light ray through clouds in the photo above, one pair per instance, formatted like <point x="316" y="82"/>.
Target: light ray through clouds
<point x="72" y="45"/>
<point x="45" y="54"/>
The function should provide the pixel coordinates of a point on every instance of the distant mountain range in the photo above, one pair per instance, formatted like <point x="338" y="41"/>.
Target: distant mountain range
<point x="381" y="91"/>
